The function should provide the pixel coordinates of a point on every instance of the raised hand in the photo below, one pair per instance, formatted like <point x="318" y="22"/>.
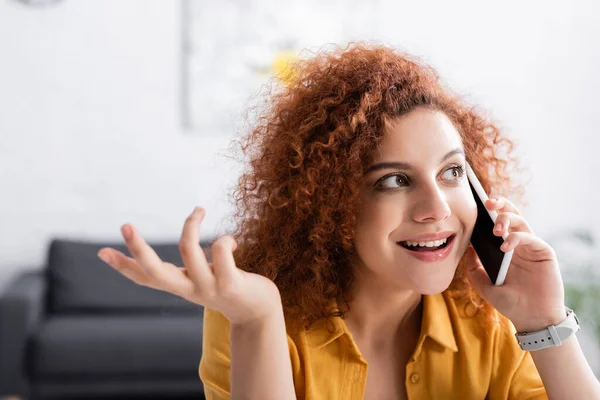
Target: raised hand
<point x="532" y="295"/>
<point x="239" y="295"/>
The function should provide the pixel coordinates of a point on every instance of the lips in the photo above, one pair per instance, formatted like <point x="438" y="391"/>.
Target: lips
<point x="432" y="255"/>
<point x="418" y="248"/>
<point x="429" y="237"/>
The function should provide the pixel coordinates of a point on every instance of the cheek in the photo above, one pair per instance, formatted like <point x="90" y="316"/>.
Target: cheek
<point x="375" y="227"/>
<point x="381" y="217"/>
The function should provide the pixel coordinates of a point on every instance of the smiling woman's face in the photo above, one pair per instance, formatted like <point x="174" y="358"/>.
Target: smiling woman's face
<point x="428" y="195"/>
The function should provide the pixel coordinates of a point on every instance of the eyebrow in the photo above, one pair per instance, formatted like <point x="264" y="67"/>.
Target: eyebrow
<point x="401" y="165"/>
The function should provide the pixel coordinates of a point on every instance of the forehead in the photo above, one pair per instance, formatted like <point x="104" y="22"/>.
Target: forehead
<point x="419" y="137"/>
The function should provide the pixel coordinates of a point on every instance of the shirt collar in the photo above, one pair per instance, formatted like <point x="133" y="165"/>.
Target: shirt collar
<point x="435" y="324"/>
<point x="436" y="321"/>
<point x="324" y="331"/>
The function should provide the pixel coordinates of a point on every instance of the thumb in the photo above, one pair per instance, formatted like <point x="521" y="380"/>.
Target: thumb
<point x="476" y="273"/>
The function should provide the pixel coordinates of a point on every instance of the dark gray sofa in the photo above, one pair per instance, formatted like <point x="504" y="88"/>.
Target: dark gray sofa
<point x="79" y="329"/>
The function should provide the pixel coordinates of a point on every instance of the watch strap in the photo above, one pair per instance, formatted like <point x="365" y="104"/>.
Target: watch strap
<point x="554" y="335"/>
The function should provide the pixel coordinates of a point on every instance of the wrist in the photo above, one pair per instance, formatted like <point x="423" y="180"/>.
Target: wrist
<point x="274" y="315"/>
<point x="540" y="319"/>
<point x="554" y="334"/>
<point x="537" y="324"/>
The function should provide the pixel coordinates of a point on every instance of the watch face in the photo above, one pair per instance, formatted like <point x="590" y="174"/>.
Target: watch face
<point x="569" y="312"/>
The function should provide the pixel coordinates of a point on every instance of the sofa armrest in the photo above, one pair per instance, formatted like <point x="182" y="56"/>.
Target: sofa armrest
<point x="22" y="306"/>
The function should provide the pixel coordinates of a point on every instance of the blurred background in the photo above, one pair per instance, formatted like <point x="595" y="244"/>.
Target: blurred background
<point x="122" y="111"/>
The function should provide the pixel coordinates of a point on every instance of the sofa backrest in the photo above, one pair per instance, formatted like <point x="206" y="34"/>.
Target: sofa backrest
<point x="79" y="282"/>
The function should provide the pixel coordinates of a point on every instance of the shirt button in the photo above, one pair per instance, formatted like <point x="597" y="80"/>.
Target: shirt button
<point x="415" y="378"/>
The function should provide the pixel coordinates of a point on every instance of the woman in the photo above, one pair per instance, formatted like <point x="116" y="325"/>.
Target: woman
<point x="321" y="292"/>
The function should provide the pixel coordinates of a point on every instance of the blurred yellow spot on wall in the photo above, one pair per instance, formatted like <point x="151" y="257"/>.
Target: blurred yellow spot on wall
<point x="281" y="66"/>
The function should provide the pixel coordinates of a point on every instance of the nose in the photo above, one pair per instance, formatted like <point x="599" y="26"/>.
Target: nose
<point x="431" y="204"/>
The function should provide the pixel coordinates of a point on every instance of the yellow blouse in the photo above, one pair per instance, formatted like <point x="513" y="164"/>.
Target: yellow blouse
<point x="453" y="359"/>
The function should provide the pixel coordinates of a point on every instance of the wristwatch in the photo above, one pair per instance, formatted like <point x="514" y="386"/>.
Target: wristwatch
<point x="553" y="335"/>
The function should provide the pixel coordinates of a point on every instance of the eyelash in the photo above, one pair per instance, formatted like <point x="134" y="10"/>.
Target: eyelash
<point x="459" y="168"/>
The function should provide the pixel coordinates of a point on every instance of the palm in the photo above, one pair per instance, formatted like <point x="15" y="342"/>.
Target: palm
<point x="241" y="296"/>
<point x="244" y="297"/>
<point x="533" y="292"/>
<point x="529" y="283"/>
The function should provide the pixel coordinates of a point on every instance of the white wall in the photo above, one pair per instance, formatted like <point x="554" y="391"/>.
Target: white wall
<point x="90" y="124"/>
<point x="90" y="134"/>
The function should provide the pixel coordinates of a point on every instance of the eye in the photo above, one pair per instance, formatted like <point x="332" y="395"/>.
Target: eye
<point x="399" y="177"/>
<point x="456" y="173"/>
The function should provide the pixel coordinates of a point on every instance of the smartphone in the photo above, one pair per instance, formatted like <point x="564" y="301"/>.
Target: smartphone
<point x="484" y="241"/>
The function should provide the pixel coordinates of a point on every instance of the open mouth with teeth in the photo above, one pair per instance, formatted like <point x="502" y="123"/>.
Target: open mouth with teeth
<point x="427" y="246"/>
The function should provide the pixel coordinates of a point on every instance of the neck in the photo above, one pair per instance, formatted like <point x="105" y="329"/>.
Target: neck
<point x="380" y="313"/>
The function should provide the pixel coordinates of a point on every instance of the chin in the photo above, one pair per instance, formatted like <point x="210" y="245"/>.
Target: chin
<point x="432" y="290"/>
<point x="429" y="285"/>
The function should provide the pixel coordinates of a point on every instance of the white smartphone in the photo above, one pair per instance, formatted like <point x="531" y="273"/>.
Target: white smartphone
<point x="484" y="241"/>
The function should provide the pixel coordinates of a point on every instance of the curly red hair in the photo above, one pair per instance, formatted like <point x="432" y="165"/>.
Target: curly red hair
<point x="309" y="148"/>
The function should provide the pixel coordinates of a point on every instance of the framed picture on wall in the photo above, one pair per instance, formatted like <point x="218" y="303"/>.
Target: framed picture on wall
<point x="231" y="48"/>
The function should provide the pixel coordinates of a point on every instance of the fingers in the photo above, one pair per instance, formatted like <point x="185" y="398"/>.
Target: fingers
<point x="509" y="222"/>
<point x="509" y="217"/>
<point x="191" y="253"/>
<point x="197" y="278"/>
<point x="125" y="265"/>
<point x="223" y="261"/>
<point x="141" y="251"/>
<point x="502" y="204"/>
<point x="165" y="276"/>
<point x="531" y="242"/>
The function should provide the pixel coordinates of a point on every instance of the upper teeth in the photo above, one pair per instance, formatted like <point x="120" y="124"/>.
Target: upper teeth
<point x="435" y="243"/>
